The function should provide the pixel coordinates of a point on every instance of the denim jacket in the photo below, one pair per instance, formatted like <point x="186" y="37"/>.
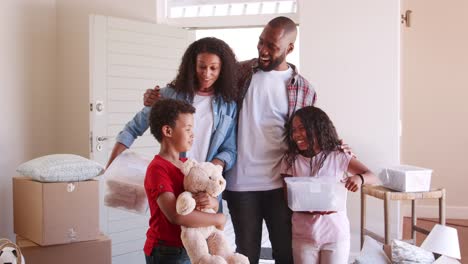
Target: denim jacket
<point x="223" y="135"/>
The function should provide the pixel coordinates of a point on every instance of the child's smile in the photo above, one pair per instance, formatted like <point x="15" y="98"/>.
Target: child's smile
<point x="299" y="134"/>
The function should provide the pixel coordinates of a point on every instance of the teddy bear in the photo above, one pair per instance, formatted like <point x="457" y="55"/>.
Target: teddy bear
<point x="204" y="245"/>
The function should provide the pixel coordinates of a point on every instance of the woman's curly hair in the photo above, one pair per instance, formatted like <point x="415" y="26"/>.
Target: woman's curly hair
<point x="318" y="127"/>
<point x="186" y="80"/>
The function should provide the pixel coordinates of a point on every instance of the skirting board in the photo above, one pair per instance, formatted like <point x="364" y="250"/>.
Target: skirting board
<point x="432" y="211"/>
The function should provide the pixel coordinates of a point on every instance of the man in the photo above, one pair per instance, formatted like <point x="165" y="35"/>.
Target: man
<point x="271" y="91"/>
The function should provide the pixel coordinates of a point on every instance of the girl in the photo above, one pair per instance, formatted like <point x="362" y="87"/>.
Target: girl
<point x="314" y="150"/>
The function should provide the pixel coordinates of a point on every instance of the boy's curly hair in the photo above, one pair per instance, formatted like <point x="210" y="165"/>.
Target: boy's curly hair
<point x="318" y="127"/>
<point x="165" y="112"/>
<point x="186" y="80"/>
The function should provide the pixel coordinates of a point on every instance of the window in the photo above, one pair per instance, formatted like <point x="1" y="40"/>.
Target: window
<point x="223" y="13"/>
<point x="243" y="42"/>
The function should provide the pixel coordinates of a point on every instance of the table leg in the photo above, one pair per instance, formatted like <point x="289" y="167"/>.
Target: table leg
<point x="442" y="208"/>
<point x="386" y="218"/>
<point x="413" y="221"/>
<point x="363" y="216"/>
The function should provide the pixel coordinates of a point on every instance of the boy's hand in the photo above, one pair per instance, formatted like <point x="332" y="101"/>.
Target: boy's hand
<point x="151" y="96"/>
<point x="221" y="222"/>
<point x="353" y="183"/>
<point x="205" y="201"/>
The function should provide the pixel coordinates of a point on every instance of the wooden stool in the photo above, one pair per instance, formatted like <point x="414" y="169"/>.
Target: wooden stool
<point x="386" y="195"/>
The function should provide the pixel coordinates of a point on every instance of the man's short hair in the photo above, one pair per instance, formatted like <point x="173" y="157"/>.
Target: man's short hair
<point x="165" y="113"/>
<point x="284" y="22"/>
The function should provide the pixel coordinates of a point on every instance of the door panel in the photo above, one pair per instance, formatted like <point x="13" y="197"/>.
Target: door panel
<point x="126" y="58"/>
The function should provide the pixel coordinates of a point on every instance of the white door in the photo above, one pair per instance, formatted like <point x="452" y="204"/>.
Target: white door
<point x="127" y="57"/>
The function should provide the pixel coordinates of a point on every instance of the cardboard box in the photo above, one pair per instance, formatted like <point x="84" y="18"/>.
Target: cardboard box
<point x="405" y="178"/>
<point x="315" y="194"/>
<point x="56" y="212"/>
<point x="89" y="252"/>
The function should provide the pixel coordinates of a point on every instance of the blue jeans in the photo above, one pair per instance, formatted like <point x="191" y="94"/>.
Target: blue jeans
<point x="168" y="255"/>
<point x="248" y="210"/>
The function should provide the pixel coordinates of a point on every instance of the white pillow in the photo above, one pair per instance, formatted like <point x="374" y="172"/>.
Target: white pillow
<point x="60" y="168"/>
<point x="405" y="253"/>
<point x="372" y="253"/>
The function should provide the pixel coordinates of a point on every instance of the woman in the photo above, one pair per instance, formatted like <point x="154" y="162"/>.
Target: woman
<point x="206" y="79"/>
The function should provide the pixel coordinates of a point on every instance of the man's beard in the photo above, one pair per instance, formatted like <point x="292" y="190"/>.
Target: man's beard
<point x="273" y="63"/>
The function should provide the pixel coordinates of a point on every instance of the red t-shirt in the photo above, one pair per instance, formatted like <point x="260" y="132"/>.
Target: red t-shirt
<point x="162" y="176"/>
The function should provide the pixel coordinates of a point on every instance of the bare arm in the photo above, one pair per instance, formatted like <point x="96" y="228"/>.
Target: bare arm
<point x="118" y="148"/>
<point x="167" y="203"/>
<point x="354" y="182"/>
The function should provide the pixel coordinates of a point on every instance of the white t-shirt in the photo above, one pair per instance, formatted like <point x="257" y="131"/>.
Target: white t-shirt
<point x="202" y="128"/>
<point x="260" y="139"/>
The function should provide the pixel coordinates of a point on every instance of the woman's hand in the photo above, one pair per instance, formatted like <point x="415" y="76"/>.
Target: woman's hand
<point x="353" y="183"/>
<point x="205" y="201"/>
<point x="151" y="96"/>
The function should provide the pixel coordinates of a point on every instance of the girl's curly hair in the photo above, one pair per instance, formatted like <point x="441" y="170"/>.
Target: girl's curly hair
<point x="318" y="128"/>
<point x="186" y="80"/>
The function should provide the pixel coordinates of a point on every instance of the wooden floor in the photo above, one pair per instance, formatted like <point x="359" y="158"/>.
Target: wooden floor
<point x="460" y="224"/>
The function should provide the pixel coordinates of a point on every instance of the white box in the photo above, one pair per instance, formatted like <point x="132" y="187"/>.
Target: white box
<point x="315" y="194"/>
<point x="406" y="178"/>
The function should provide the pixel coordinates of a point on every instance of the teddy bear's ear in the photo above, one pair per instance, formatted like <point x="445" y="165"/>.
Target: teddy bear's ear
<point x="187" y="166"/>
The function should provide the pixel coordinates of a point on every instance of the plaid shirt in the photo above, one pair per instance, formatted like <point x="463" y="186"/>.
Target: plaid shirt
<point x="300" y="92"/>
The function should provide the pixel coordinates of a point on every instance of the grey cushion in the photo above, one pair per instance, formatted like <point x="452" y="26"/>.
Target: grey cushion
<point x="60" y="168"/>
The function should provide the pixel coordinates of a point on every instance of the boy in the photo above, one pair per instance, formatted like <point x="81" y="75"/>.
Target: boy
<point x="171" y="123"/>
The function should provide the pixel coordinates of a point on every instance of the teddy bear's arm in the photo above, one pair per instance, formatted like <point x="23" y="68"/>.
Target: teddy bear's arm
<point x="185" y="203"/>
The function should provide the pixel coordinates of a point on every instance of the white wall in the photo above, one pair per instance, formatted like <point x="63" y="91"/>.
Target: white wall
<point x="350" y="52"/>
<point x="28" y="91"/>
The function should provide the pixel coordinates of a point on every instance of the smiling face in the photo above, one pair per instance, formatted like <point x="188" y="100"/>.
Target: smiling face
<point x="181" y="135"/>
<point x="273" y="46"/>
<point x="299" y="134"/>
<point x="208" y="70"/>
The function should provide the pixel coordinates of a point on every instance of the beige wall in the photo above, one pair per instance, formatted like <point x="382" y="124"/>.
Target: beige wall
<point x="434" y="94"/>
<point x="28" y="91"/>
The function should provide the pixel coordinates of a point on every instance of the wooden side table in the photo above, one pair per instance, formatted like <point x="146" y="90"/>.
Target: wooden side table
<point x="387" y="195"/>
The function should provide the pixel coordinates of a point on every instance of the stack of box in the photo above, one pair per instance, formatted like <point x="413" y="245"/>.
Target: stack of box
<point x="58" y="222"/>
